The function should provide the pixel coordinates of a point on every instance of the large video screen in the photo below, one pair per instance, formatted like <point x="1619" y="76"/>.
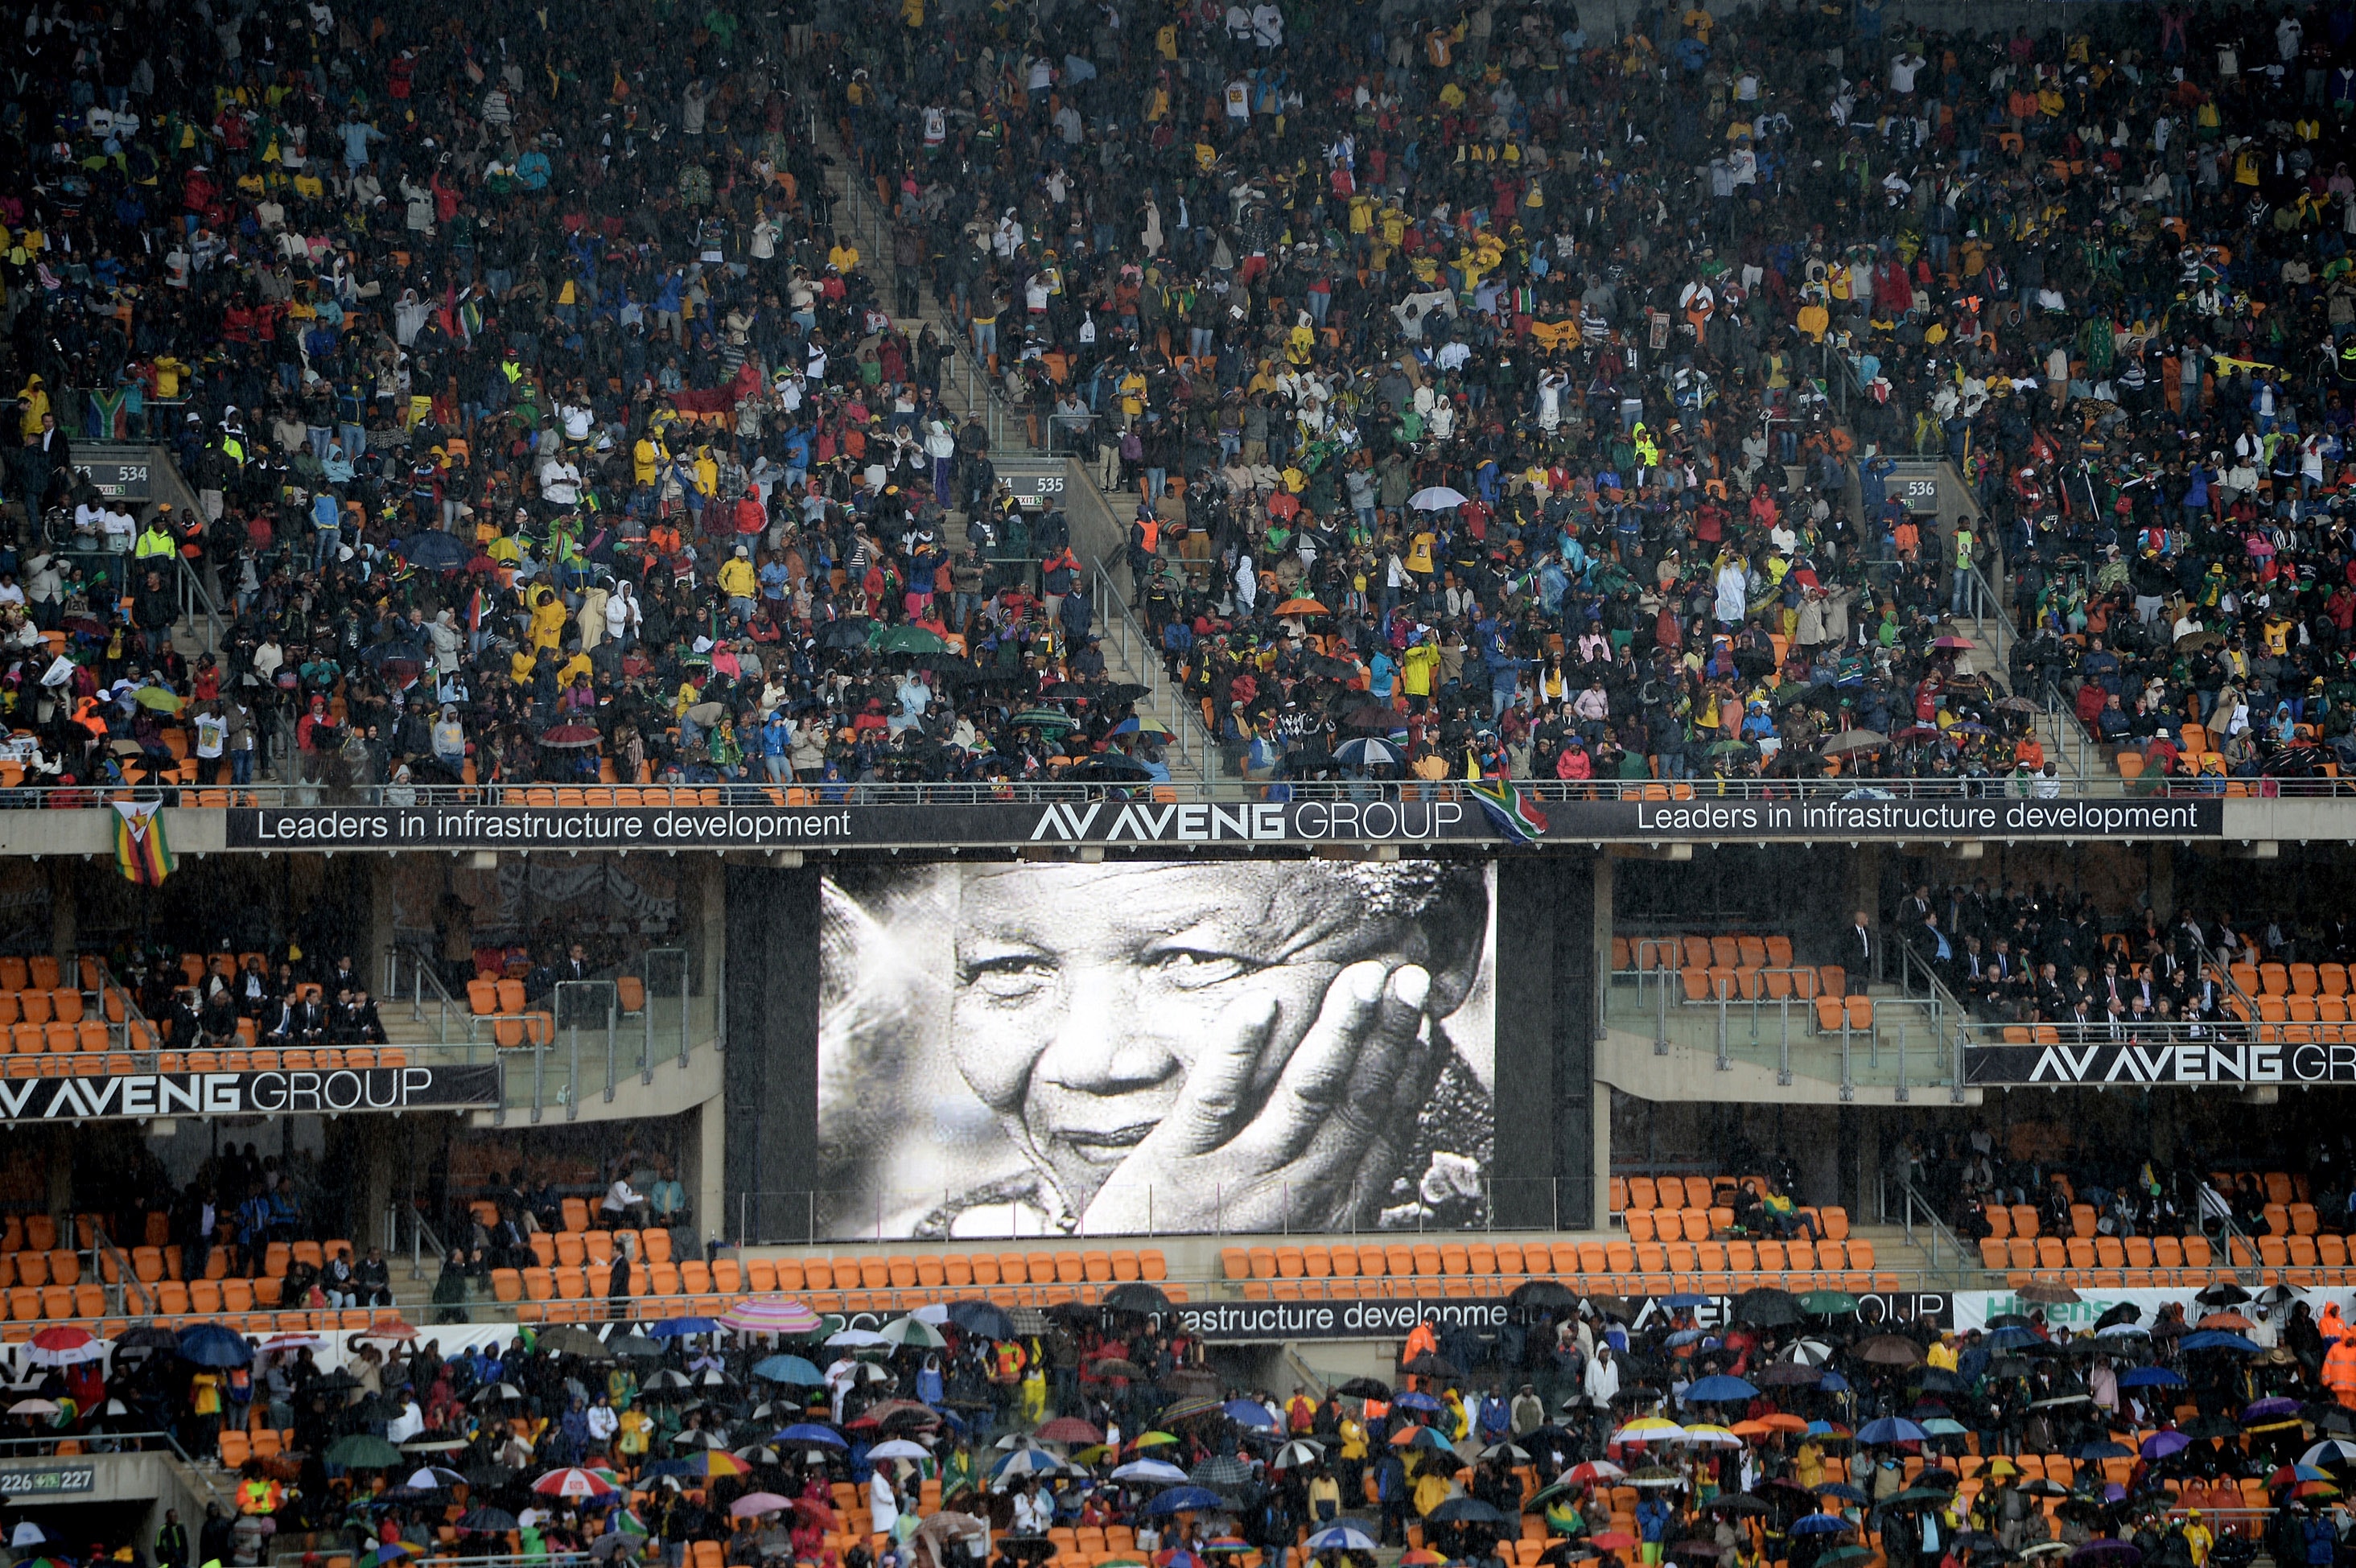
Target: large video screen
<point x="1152" y="1047"/>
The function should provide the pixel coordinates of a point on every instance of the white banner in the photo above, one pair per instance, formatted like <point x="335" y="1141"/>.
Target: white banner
<point x="1974" y="1308"/>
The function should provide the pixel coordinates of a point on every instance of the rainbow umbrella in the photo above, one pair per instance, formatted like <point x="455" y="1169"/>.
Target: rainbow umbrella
<point x="771" y="1315"/>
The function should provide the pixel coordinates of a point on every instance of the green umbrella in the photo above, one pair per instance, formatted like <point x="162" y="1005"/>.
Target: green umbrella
<point x="1828" y="1303"/>
<point x="158" y="699"/>
<point x="910" y="1331"/>
<point x="363" y="1452"/>
<point x="905" y="639"/>
<point x="1045" y="718"/>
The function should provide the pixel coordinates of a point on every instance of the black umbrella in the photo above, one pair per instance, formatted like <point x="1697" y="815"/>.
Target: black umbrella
<point x="1136" y="1296"/>
<point x="1788" y="1374"/>
<point x="1537" y="1295"/>
<point x="844" y="635"/>
<point x="1938" y="1379"/>
<point x="2224" y="1293"/>
<point x="1467" y="1510"/>
<point x="985" y="1318"/>
<point x="1366" y="1387"/>
<point x="487" y="1520"/>
<point x="1220" y="1471"/>
<point x="1430" y="1366"/>
<point x="1767" y="1309"/>
<point x="1738" y="1502"/>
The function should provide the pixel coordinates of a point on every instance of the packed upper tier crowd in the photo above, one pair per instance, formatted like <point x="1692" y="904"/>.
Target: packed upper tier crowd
<point x="549" y="423"/>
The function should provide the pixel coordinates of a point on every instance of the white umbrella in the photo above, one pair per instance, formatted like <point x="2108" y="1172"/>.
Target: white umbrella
<point x="899" y="1448"/>
<point x="58" y="673"/>
<point x="1299" y="1451"/>
<point x="1437" y="498"/>
<point x="1152" y="1470"/>
<point x="27" y="1533"/>
<point x="857" y="1338"/>
<point x="33" y="1407"/>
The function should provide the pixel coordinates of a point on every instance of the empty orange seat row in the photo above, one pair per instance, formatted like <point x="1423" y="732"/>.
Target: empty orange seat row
<point x="1440" y="1259"/>
<point x="882" y="1271"/>
<point x="1734" y="951"/>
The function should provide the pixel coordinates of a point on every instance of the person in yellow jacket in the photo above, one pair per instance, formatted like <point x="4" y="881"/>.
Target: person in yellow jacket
<point x="738" y="582"/>
<point x="35" y="397"/>
<point x="2198" y="1538"/>
<point x="645" y="460"/>
<point x="258" y="1494"/>
<point x="547" y="618"/>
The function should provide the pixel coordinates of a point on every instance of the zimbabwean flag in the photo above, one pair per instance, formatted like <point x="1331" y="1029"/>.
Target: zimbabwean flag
<point x="139" y="847"/>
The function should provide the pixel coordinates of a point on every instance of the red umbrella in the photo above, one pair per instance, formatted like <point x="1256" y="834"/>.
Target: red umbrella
<point x="1068" y="1429"/>
<point x="64" y="1345"/>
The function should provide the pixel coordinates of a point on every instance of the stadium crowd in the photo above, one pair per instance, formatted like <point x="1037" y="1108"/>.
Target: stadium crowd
<point x="548" y="422"/>
<point x="1620" y="1431"/>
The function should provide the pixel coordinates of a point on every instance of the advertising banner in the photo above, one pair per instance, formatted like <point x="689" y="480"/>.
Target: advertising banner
<point x="1977" y="1308"/>
<point x="2104" y="1060"/>
<point x="1250" y="1322"/>
<point x="750" y="822"/>
<point x="117" y="1095"/>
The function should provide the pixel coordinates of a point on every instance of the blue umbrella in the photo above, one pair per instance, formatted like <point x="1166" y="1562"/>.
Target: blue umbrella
<point x="1366" y="752"/>
<point x="1185" y="1500"/>
<point x="1684" y="1298"/>
<point x="2215" y="1340"/>
<point x="788" y="1370"/>
<point x="433" y="551"/>
<point x="1342" y="1537"/>
<point x="2151" y="1377"/>
<point x="1245" y="1413"/>
<point x="1718" y="1389"/>
<point x="1890" y="1429"/>
<point x="210" y="1345"/>
<point x="2010" y="1337"/>
<point x="1832" y="1383"/>
<point x="1028" y="1462"/>
<point x="1820" y="1524"/>
<point x="810" y="1431"/>
<point x="1414" y="1399"/>
<point x="1842" y="1490"/>
<point x="680" y="1327"/>
<point x="1685" y="1336"/>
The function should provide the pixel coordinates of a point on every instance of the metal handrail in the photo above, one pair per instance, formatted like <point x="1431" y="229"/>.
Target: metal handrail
<point x="125" y="1279"/>
<point x="425" y="986"/>
<point x="1196" y="747"/>
<point x="1941" y="1236"/>
<point x="868" y="223"/>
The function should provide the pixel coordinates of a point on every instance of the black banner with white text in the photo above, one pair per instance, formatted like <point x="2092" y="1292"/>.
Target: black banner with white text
<point x="1145" y="823"/>
<point x="119" y="1095"/>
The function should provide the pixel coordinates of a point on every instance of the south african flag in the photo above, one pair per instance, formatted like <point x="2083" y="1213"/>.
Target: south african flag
<point x="139" y="847"/>
<point x="1511" y="807"/>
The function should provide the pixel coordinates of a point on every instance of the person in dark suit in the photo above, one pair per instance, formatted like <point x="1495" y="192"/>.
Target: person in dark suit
<point x="1861" y="946"/>
<point x="307" y="1021"/>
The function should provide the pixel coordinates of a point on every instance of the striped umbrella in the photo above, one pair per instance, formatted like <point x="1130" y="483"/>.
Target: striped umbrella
<point x="771" y="1315"/>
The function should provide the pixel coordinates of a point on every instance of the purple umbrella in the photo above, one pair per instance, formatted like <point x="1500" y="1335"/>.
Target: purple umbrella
<point x="2161" y="1445"/>
<point x="2266" y="1408"/>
